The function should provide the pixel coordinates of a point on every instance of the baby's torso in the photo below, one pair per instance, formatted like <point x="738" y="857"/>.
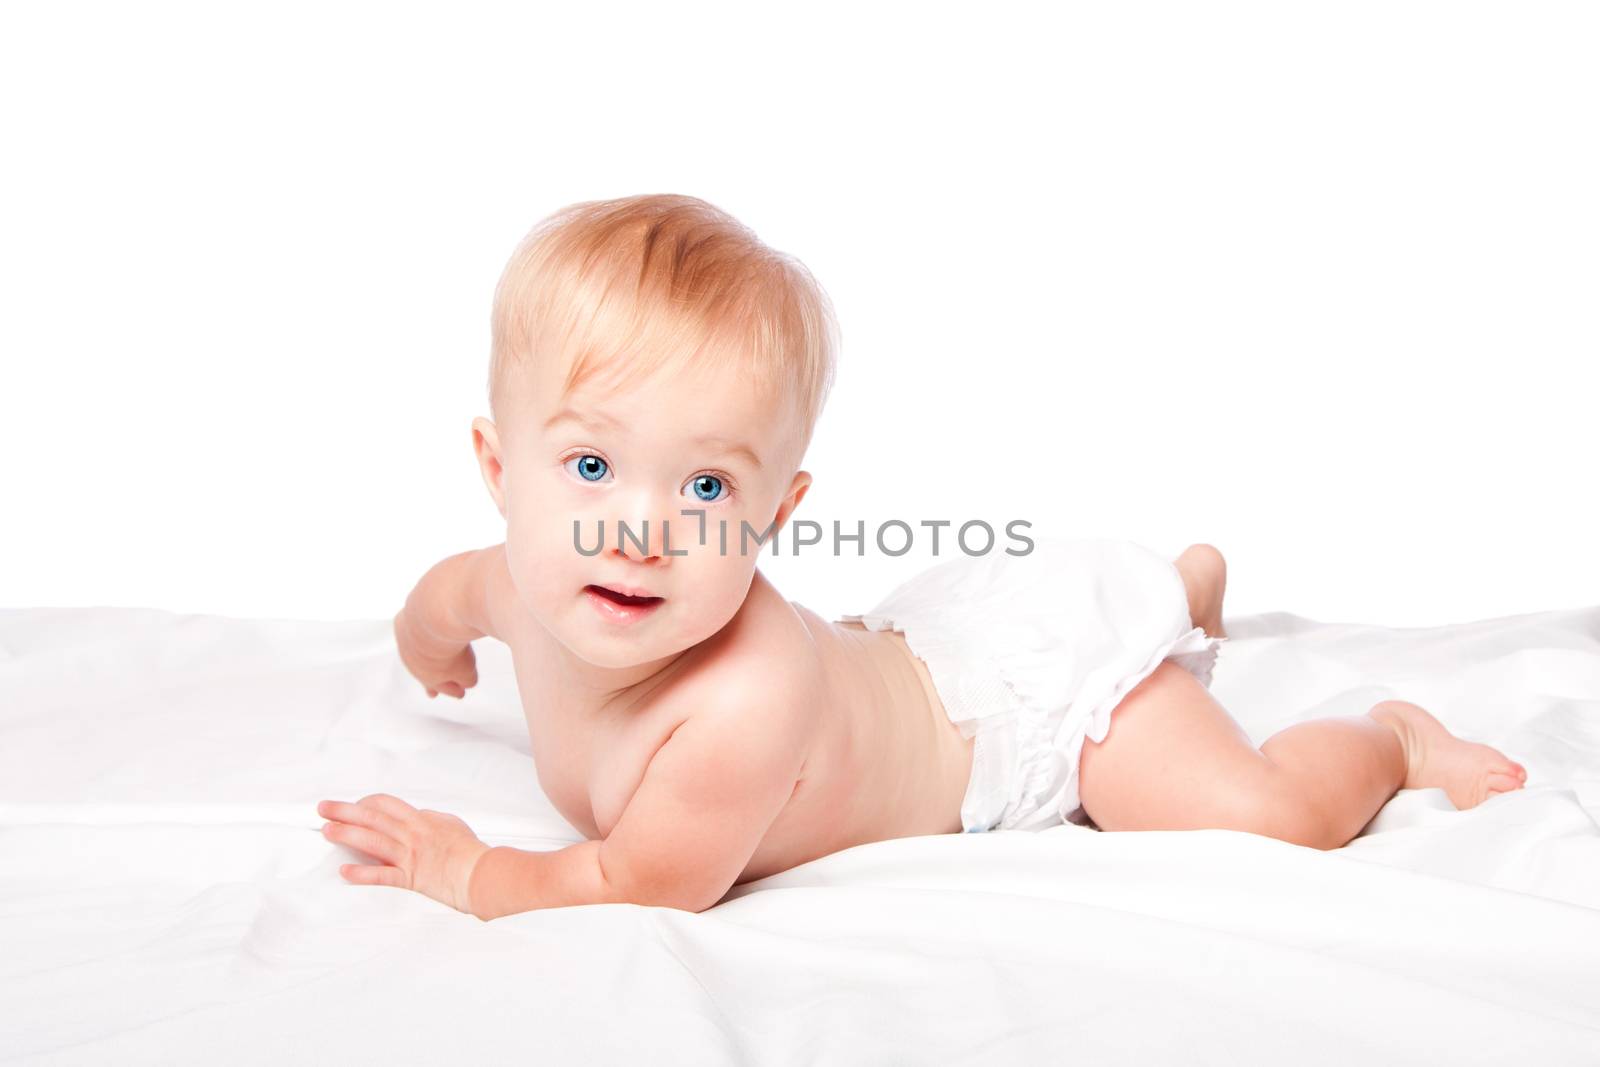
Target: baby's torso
<point x="883" y="760"/>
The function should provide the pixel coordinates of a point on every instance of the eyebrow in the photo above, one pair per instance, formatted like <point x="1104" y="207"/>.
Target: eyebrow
<point x="600" y="420"/>
<point x="732" y="448"/>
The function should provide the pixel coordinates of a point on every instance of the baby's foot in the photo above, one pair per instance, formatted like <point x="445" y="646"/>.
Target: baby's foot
<point x="1205" y="575"/>
<point x="1468" y="772"/>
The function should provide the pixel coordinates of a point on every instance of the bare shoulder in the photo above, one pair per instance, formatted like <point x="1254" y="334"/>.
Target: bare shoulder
<point x="737" y="748"/>
<point x="769" y="645"/>
<point x="766" y="666"/>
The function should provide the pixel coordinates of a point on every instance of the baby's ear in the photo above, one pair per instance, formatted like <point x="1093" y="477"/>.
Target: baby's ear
<point x="486" y="443"/>
<point x="791" y="499"/>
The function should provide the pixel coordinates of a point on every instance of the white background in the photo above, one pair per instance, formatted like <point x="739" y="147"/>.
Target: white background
<point x="1316" y="284"/>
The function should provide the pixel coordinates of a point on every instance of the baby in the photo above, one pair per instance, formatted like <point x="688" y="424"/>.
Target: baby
<point x="656" y="374"/>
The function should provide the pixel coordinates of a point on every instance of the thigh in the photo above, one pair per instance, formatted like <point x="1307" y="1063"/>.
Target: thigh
<point x="1173" y="759"/>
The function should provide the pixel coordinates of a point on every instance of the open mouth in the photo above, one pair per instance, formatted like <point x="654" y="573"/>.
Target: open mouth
<point x="616" y="606"/>
<point x="622" y="598"/>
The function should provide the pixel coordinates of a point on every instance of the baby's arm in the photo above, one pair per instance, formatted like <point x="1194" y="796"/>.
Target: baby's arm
<point x="458" y="600"/>
<point x="707" y="799"/>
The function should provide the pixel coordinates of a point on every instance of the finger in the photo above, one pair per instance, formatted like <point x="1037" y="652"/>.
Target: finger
<point x="388" y="804"/>
<point x="334" y="809"/>
<point x="364" y="840"/>
<point x="452" y="689"/>
<point x="370" y="818"/>
<point x="370" y="874"/>
<point x="366" y="814"/>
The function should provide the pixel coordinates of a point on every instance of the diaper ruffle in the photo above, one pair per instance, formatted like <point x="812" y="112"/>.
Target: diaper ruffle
<point x="1194" y="651"/>
<point x="1031" y="655"/>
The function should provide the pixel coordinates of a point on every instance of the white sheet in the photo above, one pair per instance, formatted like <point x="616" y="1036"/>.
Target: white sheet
<point x="165" y="895"/>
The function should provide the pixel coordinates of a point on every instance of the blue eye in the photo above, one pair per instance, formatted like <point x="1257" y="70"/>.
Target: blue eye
<point x="707" y="487"/>
<point x="591" y="468"/>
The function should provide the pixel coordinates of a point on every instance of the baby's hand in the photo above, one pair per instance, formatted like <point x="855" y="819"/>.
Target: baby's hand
<point x="426" y="851"/>
<point x="439" y="669"/>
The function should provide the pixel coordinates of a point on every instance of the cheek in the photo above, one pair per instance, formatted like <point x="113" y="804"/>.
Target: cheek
<point x="539" y="524"/>
<point x="716" y="585"/>
<point x="527" y="573"/>
<point x="733" y="530"/>
<point x="543" y="562"/>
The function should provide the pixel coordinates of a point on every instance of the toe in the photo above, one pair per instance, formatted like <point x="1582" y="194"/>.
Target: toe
<point x="1503" y="783"/>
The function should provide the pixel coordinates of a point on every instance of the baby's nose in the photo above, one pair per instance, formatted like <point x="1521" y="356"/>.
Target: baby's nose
<point x="640" y="541"/>
<point x="632" y="552"/>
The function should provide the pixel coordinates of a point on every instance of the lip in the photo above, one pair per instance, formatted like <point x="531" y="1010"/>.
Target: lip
<point x="625" y="590"/>
<point x="619" y="614"/>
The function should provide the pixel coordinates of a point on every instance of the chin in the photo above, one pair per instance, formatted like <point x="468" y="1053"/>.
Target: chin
<point x="600" y="644"/>
<point x="613" y="657"/>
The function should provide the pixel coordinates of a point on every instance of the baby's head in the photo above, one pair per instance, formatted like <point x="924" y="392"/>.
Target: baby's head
<point x="650" y="355"/>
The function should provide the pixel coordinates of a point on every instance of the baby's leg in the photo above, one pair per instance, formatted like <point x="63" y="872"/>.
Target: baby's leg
<point x="1174" y="759"/>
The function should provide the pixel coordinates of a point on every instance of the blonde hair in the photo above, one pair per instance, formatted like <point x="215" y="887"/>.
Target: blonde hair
<point x="644" y="283"/>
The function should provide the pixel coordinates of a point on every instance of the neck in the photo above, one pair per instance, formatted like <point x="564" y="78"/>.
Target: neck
<point x="577" y="685"/>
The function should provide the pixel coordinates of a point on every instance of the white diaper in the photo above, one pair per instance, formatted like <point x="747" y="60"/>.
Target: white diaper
<point x="1030" y="655"/>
